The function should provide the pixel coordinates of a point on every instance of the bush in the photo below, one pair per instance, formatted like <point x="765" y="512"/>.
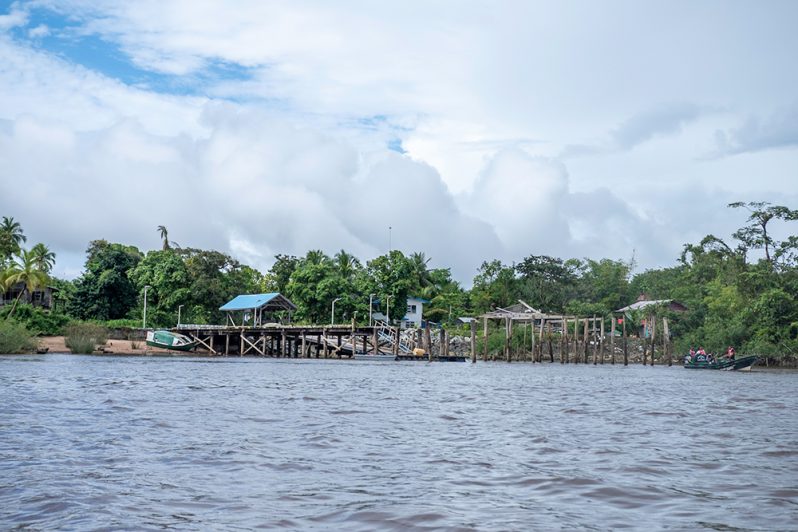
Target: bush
<point x="37" y="320"/>
<point x="122" y="324"/>
<point x="15" y="338"/>
<point x="85" y="337"/>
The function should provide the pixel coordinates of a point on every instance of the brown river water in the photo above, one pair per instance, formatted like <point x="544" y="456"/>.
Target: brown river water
<point x="138" y="443"/>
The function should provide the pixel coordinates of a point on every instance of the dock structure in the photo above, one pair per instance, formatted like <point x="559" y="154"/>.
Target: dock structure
<point x="290" y="341"/>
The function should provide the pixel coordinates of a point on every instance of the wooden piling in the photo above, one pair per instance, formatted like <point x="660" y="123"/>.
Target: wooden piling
<point x="305" y="353"/>
<point x="586" y="340"/>
<point x="508" y="331"/>
<point x="374" y="342"/>
<point x="396" y="342"/>
<point x="485" y="339"/>
<point x="551" y="348"/>
<point x="325" y="351"/>
<point x="612" y="340"/>
<point x="428" y="342"/>
<point x="666" y="341"/>
<point x="653" y="337"/>
<point x="625" y="347"/>
<point x="601" y="340"/>
<point x="241" y="346"/>
<point x="473" y="342"/>
<point x="284" y="344"/>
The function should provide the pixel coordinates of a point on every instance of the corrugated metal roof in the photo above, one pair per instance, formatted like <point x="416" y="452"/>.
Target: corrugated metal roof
<point x="643" y="304"/>
<point x="251" y="301"/>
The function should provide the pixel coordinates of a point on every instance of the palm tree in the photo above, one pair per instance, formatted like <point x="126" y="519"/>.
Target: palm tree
<point x="164" y="236"/>
<point x="347" y="264"/>
<point x="13" y="230"/>
<point x="45" y="259"/>
<point x="316" y="256"/>
<point x="419" y="261"/>
<point x="25" y="270"/>
<point x="11" y="237"/>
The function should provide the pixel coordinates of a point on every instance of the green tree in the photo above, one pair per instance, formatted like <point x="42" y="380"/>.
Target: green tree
<point x="167" y="276"/>
<point x="11" y="238"/>
<point x="495" y="285"/>
<point x="755" y="235"/>
<point x="164" y="237"/>
<point x="390" y="275"/>
<point x="25" y="270"/>
<point x="45" y="259"/>
<point x="105" y="291"/>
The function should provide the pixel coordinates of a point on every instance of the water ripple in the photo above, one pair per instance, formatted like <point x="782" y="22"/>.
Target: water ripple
<point x="110" y="443"/>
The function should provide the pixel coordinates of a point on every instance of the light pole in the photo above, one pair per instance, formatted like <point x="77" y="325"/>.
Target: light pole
<point x="332" y="314"/>
<point x="371" y="298"/>
<point x="144" y="324"/>
<point x="179" y="308"/>
<point x="388" y="310"/>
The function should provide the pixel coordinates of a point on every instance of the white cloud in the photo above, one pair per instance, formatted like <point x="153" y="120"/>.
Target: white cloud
<point x="484" y="98"/>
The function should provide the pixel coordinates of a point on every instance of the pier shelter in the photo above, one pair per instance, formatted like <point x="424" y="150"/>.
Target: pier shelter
<point x="255" y="308"/>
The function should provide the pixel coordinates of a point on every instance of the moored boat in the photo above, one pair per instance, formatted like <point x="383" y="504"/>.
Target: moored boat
<point x="170" y="340"/>
<point x="728" y="364"/>
<point x="378" y="358"/>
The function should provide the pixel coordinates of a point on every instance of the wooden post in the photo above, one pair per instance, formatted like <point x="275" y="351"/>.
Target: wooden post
<point x="485" y="339"/>
<point x="305" y="353"/>
<point x="283" y="344"/>
<point x="625" y="348"/>
<point x="227" y="344"/>
<point x="508" y="332"/>
<point x="563" y="339"/>
<point x="352" y="338"/>
<point x="428" y="342"/>
<point x="396" y="342"/>
<point x="532" y="341"/>
<point x="210" y="341"/>
<point x="263" y="343"/>
<point x="601" y="340"/>
<point x="612" y="338"/>
<point x="419" y="338"/>
<point x="666" y="341"/>
<point x="324" y="342"/>
<point x="365" y="348"/>
<point x="653" y="336"/>
<point x="374" y="340"/>
<point x="241" y="344"/>
<point x="586" y="342"/>
<point x="473" y="341"/>
<point x="540" y="340"/>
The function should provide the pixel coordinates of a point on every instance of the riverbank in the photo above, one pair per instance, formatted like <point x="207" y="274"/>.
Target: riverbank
<point x="57" y="344"/>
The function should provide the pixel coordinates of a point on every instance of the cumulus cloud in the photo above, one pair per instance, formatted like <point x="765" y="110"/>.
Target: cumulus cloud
<point x="778" y="130"/>
<point x="286" y="149"/>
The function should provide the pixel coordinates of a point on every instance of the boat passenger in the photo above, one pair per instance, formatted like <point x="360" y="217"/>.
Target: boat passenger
<point x="711" y="358"/>
<point x="701" y="351"/>
<point x="730" y="353"/>
<point x="692" y="351"/>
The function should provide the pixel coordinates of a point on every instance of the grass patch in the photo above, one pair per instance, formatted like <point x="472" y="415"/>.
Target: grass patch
<point x="15" y="338"/>
<point x="83" y="338"/>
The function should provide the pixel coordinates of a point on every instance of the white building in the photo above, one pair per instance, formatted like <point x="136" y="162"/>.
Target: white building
<point x="414" y="314"/>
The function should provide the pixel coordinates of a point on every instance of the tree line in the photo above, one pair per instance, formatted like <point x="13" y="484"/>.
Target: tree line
<point x="739" y="291"/>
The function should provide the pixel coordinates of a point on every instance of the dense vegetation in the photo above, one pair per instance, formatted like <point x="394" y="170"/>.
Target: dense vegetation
<point x="739" y="291"/>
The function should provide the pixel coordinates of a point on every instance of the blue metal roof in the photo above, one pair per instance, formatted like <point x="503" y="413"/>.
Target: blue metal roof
<point x="251" y="301"/>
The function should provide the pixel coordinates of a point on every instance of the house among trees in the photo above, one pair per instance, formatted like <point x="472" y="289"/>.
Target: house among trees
<point x="414" y="314"/>
<point x="38" y="298"/>
<point x="643" y="302"/>
<point x="257" y="309"/>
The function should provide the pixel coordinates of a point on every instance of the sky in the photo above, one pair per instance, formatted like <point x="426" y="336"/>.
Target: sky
<point x="467" y="130"/>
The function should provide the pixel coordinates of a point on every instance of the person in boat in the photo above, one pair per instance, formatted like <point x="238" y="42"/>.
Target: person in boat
<point x="710" y="358"/>
<point x="700" y="355"/>
<point x="730" y="353"/>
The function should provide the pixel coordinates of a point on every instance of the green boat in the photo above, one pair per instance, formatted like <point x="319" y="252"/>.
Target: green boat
<point x="170" y="340"/>
<point x="727" y="364"/>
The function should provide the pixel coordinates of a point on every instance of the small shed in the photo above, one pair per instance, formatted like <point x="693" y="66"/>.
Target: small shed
<point x="255" y="306"/>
